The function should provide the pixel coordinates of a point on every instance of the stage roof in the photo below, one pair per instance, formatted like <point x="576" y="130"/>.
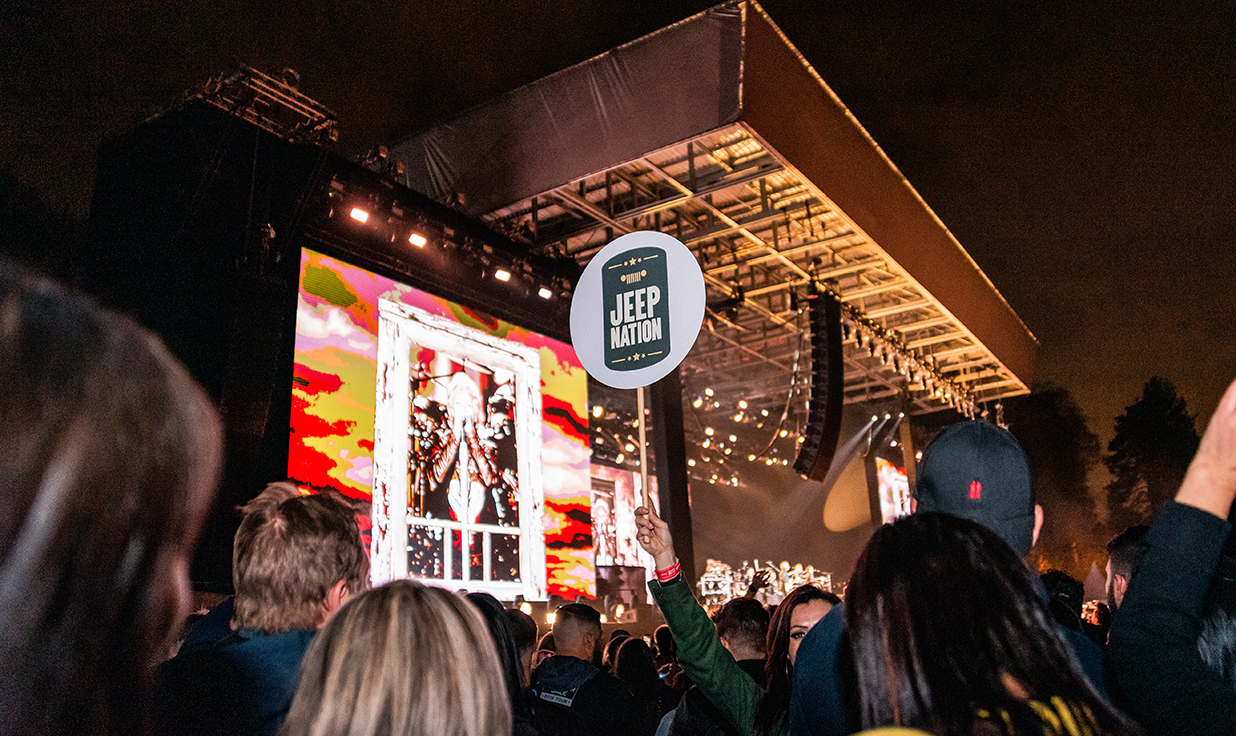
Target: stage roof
<point x="717" y="131"/>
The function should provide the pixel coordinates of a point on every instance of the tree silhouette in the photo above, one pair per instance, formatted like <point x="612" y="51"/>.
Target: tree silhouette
<point x="1155" y="440"/>
<point x="1061" y="449"/>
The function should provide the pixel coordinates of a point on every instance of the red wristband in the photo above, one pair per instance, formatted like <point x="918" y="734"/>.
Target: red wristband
<point x="669" y="573"/>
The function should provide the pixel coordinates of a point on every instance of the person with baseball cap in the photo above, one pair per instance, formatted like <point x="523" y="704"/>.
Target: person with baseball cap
<point x="974" y="470"/>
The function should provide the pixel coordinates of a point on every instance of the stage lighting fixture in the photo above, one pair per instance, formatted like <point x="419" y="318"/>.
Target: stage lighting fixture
<point x="691" y="462"/>
<point x="706" y="444"/>
<point x="359" y="215"/>
<point x="742" y="404"/>
<point x="544" y="293"/>
<point x="733" y="438"/>
<point x="738" y="417"/>
<point x="698" y="402"/>
<point x="550" y="617"/>
<point x="417" y="239"/>
<point x="751" y="458"/>
<point x="784" y="432"/>
<point x="630" y="447"/>
<point x="526" y="608"/>
<point x="620" y="458"/>
<point x="708" y="431"/>
<point x="502" y="274"/>
<point x="598" y="411"/>
<point x="604" y="619"/>
<point x="708" y="392"/>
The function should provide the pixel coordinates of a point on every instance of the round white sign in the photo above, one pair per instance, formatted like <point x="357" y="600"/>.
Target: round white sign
<point x="637" y="309"/>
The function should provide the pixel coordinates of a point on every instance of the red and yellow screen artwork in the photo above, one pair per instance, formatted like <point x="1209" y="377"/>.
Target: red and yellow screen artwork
<point x="471" y="484"/>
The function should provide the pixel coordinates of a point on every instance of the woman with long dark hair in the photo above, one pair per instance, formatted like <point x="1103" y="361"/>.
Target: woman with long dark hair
<point x="950" y="635"/>
<point x="633" y="665"/>
<point x="747" y="704"/>
<point x="508" y="658"/>
<point x="797" y="613"/>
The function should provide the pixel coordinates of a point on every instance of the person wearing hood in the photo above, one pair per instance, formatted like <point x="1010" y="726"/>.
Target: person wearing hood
<point x="571" y="695"/>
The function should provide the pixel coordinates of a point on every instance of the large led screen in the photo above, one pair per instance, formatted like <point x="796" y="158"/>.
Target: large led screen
<point x="468" y="434"/>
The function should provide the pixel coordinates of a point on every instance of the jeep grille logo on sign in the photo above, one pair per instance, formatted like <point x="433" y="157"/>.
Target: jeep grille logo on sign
<point x="635" y="287"/>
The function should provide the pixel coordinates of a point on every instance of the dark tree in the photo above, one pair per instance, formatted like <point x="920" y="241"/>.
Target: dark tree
<point x="1062" y="450"/>
<point x="1155" y="440"/>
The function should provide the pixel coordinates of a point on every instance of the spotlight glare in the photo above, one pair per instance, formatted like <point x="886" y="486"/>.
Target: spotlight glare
<point x="698" y="402"/>
<point x="691" y="462"/>
<point x="502" y="274"/>
<point x="417" y="239"/>
<point x="708" y="392"/>
<point x="549" y="617"/>
<point x="544" y="293"/>
<point x="742" y="404"/>
<point x="526" y="608"/>
<point x="785" y="432"/>
<point x="359" y="215"/>
<point x="733" y="438"/>
<point x="708" y="431"/>
<point x="598" y="411"/>
<point x="751" y="458"/>
<point x="620" y="458"/>
<point x="630" y="447"/>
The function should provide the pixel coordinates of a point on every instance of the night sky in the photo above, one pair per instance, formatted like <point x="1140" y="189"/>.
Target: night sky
<point x="1082" y="153"/>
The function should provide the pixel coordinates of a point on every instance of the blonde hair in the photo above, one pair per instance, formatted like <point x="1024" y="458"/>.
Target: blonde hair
<point x="404" y="658"/>
<point x="289" y="552"/>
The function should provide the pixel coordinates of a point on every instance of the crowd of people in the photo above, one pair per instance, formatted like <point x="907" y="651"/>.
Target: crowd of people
<point x="112" y="456"/>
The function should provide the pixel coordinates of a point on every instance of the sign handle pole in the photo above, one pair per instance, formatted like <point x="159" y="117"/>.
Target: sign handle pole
<point x="643" y="447"/>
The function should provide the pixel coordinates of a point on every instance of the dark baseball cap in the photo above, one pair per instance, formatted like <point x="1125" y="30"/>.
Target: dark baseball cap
<point x="979" y="472"/>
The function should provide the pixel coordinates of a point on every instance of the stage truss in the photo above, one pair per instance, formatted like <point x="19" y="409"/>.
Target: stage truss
<point x="762" y="232"/>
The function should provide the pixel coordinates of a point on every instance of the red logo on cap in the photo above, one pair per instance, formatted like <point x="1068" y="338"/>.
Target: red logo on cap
<point x="976" y="490"/>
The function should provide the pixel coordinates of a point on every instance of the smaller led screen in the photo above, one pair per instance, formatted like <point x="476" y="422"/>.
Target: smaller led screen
<point x="894" y="490"/>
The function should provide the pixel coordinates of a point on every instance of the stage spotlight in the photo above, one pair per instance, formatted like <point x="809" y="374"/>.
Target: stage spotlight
<point x="544" y="293"/>
<point x="784" y="432"/>
<point x="502" y="274"/>
<point x="751" y="458"/>
<point x="550" y="617"/>
<point x="604" y="619"/>
<point x="359" y="215"/>
<point x="630" y="447"/>
<point x="708" y="392"/>
<point x="691" y="462"/>
<point x="417" y="239"/>
<point x="620" y="458"/>
<point x="738" y="417"/>
<point x="698" y="402"/>
<point x="708" y="431"/>
<point x="598" y="411"/>
<point x="742" y="404"/>
<point x="526" y="608"/>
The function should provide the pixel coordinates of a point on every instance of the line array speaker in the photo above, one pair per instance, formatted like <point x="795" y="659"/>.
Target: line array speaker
<point x="823" y="428"/>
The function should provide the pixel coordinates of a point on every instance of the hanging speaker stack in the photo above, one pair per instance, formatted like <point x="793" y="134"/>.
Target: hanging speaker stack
<point x="823" y="428"/>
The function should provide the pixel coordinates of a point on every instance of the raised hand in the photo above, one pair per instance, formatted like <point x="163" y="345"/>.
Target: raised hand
<point x="1210" y="484"/>
<point x="758" y="581"/>
<point x="654" y="536"/>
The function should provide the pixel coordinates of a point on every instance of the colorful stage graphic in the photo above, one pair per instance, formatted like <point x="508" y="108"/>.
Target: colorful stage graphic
<point x="479" y="470"/>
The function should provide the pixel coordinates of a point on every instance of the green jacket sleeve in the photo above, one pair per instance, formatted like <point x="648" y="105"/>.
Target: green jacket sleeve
<point x="709" y="664"/>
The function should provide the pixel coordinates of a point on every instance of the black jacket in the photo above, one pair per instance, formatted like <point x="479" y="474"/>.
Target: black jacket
<point x="1158" y="675"/>
<point x="572" y="697"/>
